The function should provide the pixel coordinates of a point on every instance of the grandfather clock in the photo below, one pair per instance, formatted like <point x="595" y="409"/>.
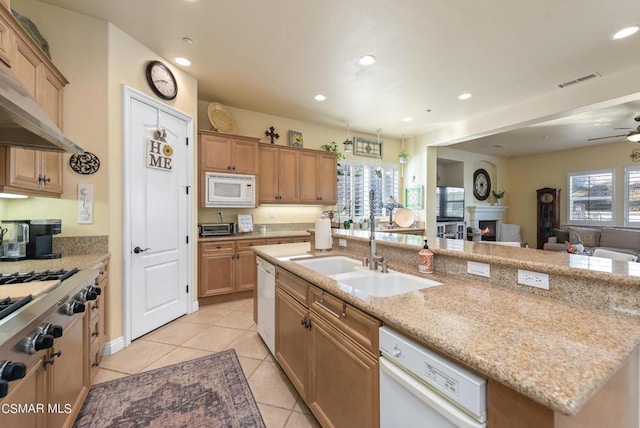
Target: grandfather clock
<point x="548" y="213"/>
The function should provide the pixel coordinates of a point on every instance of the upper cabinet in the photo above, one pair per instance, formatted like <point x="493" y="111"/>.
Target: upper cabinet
<point x="227" y="153"/>
<point x="291" y="175"/>
<point x="29" y="171"/>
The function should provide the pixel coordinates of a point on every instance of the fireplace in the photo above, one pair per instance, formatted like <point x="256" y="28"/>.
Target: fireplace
<point x="487" y="216"/>
<point x="488" y="229"/>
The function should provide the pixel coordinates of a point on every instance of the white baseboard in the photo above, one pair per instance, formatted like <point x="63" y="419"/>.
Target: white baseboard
<point x="112" y="347"/>
<point x="195" y="306"/>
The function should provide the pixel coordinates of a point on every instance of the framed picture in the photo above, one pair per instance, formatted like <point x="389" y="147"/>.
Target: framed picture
<point x="295" y="139"/>
<point x="245" y="223"/>
<point x="413" y="197"/>
<point x="367" y="147"/>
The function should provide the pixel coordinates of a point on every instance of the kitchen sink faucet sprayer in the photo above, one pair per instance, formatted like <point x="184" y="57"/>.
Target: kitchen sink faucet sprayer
<point x="373" y="260"/>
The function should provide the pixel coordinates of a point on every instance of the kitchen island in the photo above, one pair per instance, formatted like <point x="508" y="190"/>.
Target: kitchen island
<point x="556" y="349"/>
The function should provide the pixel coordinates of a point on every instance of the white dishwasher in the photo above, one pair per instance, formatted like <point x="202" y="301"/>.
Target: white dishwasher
<point x="266" y="302"/>
<point x="419" y="388"/>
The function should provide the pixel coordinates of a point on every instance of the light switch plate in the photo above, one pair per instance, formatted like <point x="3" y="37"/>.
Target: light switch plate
<point x="533" y="279"/>
<point x="480" y="269"/>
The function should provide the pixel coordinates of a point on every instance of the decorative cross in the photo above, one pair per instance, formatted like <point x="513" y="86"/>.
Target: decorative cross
<point x="272" y="134"/>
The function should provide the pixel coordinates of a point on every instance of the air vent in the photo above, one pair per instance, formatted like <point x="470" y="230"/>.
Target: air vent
<point x="579" y="80"/>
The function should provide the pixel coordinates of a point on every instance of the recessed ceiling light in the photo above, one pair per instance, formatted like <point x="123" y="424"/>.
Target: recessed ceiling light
<point x="625" y="32"/>
<point x="497" y="146"/>
<point x="407" y="119"/>
<point x="464" y="96"/>
<point x="183" y="61"/>
<point x="367" y="60"/>
<point x="187" y="40"/>
<point x="319" y="97"/>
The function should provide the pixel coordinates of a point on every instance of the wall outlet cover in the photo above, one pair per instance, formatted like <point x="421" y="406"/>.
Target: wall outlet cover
<point x="533" y="279"/>
<point x="480" y="269"/>
<point x="342" y="242"/>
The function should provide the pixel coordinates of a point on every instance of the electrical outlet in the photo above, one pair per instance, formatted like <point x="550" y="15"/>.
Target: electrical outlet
<point x="480" y="269"/>
<point x="342" y="242"/>
<point x="272" y="214"/>
<point x="533" y="279"/>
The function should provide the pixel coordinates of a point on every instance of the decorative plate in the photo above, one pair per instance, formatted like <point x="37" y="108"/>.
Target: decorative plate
<point x="86" y="163"/>
<point x="221" y="119"/>
<point x="404" y="217"/>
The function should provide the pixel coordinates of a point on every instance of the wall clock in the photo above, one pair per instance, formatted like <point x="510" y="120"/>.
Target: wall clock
<point x="161" y="80"/>
<point x="481" y="184"/>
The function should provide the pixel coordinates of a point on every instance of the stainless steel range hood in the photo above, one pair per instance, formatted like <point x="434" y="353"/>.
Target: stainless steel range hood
<point x="23" y="123"/>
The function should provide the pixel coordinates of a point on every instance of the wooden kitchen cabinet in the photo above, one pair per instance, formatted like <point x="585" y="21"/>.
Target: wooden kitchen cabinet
<point x="278" y="182"/>
<point x="296" y="176"/>
<point x="226" y="266"/>
<point x="29" y="171"/>
<point x="318" y="179"/>
<point x="232" y="154"/>
<point x="96" y="319"/>
<point x="30" y="389"/>
<point x="6" y="36"/>
<point x="69" y="374"/>
<point x="329" y="351"/>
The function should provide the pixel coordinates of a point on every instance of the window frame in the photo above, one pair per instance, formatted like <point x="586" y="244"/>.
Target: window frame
<point x="592" y="222"/>
<point x="627" y="222"/>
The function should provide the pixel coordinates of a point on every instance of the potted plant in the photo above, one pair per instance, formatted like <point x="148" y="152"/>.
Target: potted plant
<point x="403" y="156"/>
<point x="498" y="195"/>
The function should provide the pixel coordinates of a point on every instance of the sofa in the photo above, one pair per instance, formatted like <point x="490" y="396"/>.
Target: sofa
<point x="625" y="241"/>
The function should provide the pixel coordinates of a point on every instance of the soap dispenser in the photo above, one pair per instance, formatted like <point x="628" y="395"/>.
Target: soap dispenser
<point x="425" y="259"/>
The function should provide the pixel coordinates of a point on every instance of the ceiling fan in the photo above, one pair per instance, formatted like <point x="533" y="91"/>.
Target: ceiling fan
<point x="632" y="135"/>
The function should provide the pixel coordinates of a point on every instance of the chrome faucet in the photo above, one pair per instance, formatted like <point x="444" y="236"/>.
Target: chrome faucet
<point x="373" y="260"/>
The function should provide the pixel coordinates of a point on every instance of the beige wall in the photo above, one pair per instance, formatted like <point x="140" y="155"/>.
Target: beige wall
<point x="528" y="173"/>
<point x="97" y="59"/>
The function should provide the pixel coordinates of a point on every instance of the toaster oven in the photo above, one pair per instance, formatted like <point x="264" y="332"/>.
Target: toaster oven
<point x="216" y="229"/>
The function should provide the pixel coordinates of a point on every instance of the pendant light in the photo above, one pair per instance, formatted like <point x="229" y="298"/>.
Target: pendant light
<point x="348" y="144"/>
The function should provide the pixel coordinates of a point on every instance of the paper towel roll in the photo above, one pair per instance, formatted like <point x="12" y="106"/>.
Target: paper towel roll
<point x="323" y="234"/>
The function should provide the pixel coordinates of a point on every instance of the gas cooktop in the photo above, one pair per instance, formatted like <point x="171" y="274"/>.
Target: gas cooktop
<point x="47" y="275"/>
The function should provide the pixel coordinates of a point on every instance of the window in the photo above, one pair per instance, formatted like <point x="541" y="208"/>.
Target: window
<point x="354" y="182"/>
<point x="591" y="197"/>
<point x="632" y="196"/>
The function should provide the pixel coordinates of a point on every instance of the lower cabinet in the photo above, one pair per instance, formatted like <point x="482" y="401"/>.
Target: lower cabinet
<point x="30" y="389"/>
<point x="325" y="346"/>
<point x="226" y="266"/>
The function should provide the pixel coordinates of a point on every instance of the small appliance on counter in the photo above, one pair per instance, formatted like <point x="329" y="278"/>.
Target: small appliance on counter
<point x="41" y="233"/>
<point x="216" y="229"/>
<point x="14" y="237"/>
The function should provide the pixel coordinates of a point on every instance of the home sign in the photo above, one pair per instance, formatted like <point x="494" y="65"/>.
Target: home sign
<point x="159" y="155"/>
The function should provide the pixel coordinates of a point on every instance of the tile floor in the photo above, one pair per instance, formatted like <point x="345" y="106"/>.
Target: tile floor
<point x="212" y="329"/>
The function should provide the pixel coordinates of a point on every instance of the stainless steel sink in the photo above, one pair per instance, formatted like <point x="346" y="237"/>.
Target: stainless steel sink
<point x="332" y="265"/>
<point x="382" y="284"/>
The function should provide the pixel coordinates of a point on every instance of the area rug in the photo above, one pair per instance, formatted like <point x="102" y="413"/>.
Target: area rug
<point x="211" y="391"/>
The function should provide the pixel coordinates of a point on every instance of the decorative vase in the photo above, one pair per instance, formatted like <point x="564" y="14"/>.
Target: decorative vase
<point x="500" y="202"/>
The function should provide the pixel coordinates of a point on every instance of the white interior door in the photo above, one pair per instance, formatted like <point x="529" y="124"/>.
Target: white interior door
<point x="158" y="215"/>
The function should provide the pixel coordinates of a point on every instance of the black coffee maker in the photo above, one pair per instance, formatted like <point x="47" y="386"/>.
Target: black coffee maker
<point x="41" y="233"/>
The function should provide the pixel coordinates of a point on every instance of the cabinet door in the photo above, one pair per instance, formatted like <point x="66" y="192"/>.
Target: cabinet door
<point x="309" y="193"/>
<point x="24" y="168"/>
<point x="215" y="154"/>
<point x="268" y="177"/>
<point x="216" y="268"/>
<point x="327" y="179"/>
<point x="6" y="41"/>
<point x="246" y="273"/>
<point x="344" y="381"/>
<point x="51" y="171"/>
<point x="26" y="66"/>
<point x="288" y="176"/>
<point x="291" y="339"/>
<point x="29" y="390"/>
<point x="245" y="157"/>
<point x="69" y="373"/>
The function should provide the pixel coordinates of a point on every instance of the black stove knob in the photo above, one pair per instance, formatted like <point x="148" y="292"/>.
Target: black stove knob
<point x="96" y="290"/>
<point x="87" y="294"/>
<point x="73" y="308"/>
<point x="42" y="341"/>
<point x="12" y="371"/>
<point x="4" y="388"/>
<point x="53" y="330"/>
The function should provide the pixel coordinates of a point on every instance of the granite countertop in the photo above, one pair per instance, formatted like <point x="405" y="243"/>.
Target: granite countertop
<point x="257" y="235"/>
<point x="553" y="352"/>
<point x="577" y="265"/>
<point x="84" y="261"/>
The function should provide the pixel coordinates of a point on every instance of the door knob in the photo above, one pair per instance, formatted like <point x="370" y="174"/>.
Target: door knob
<point x="139" y="250"/>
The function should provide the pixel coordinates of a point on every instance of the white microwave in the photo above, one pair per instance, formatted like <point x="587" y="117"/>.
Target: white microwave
<point x="230" y="190"/>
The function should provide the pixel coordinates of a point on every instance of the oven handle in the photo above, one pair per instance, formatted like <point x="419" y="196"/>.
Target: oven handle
<point x="427" y="395"/>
